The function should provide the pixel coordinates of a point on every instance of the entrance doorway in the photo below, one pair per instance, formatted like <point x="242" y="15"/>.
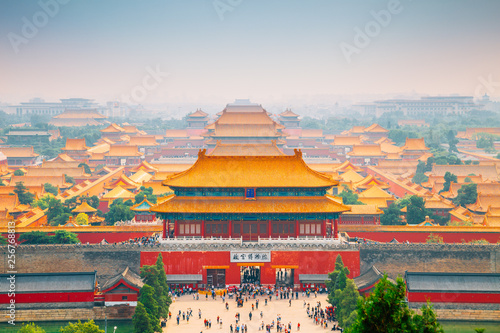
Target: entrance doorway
<point x="285" y="277"/>
<point x="216" y="278"/>
<point x="250" y="274"/>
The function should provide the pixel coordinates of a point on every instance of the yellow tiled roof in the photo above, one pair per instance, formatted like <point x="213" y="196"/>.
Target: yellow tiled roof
<point x="174" y="204"/>
<point x="351" y="176"/>
<point x="113" y="128"/>
<point x="84" y="207"/>
<point x="364" y="210"/>
<point x="346" y="140"/>
<point x="123" y="150"/>
<point x="144" y="140"/>
<point x="75" y="144"/>
<point x="119" y="192"/>
<point x="141" y="176"/>
<point x="375" y="192"/>
<point x="250" y="171"/>
<point x="366" y="150"/>
<point x="375" y="128"/>
<point x="414" y="144"/>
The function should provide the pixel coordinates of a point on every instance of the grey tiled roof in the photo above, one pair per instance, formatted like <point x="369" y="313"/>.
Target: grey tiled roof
<point x="456" y="282"/>
<point x="50" y="282"/>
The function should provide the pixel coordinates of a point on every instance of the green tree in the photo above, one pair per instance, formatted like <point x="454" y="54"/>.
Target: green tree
<point x="467" y="194"/>
<point x="391" y="216"/>
<point x="415" y="211"/>
<point x="141" y="320"/>
<point x="348" y="298"/>
<point x="93" y="201"/>
<point x="51" y="189"/>
<point x="452" y="141"/>
<point x="85" y="167"/>
<point x="349" y="197"/>
<point x="146" y="192"/>
<point x="147" y="298"/>
<point x="434" y="239"/>
<point x="25" y="197"/>
<point x="334" y="280"/>
<point x="43" y="202"/>
<point x="64" y="237"/>
<point x="57" y="213"/>
<point x="82" y="219"/>
<point x="420" y="178"/>
<point x="35" y="237"/>
<point x="18" y="172"/>
<point x="87" y="327"/>
<point x="31" y="328"/>
<point x="155" y="276"/>
<point x="3" y="240"/>
<point x="386" y="311"/>
<point x="448" y="179"/>
<point x="69" y="179"/>
<point x="119" y="211"/>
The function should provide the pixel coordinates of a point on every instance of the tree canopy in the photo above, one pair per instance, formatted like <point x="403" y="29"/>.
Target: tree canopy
<point x="349" y="197"/>
<point x="385" y="311"/>
<point x="391" y="216"/>
<point x="467" y="194"/>
<point x="25" y="197"/>
<point x="141" y="320"/>
<point x="119" y="211"/>
<point x="39" y="237"/>
<point x="79" y="327"/>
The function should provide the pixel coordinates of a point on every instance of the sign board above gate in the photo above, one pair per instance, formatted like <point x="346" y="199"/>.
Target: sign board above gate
<point x="250" y="256"/>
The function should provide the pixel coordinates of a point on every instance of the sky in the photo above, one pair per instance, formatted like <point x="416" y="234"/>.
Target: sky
<point x="172" y="51"/>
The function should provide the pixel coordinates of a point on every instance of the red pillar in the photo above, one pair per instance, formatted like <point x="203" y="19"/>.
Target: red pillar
<point x="362" y="220"/>
<point x="230" y="228"/>
<point x="297" y="228"/>
<point x="269" y="228"/>
<point x="335" y="228"/>
<point x="203" y="228"/>
<point x="164" y="228"/>
<point x="323" y="232"/>
<point x="176" y="229"/>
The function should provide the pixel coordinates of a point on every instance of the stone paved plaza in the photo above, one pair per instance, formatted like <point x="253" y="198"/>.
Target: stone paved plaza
<point x="296" y="313"/>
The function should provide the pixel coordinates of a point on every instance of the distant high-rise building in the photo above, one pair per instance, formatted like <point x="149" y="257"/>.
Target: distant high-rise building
<point x="39" y="107"/>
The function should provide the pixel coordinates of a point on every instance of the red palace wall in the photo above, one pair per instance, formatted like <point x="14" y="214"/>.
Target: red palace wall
<point x="304" y="262"/>
<point x="445" y="297"/>
<point x="421" y="236"/>
<point x="97" y="237"/>
<point x="49" y="297"/>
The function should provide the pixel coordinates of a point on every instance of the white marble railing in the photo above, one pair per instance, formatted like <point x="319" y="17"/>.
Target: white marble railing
<point x="263" y="241"/>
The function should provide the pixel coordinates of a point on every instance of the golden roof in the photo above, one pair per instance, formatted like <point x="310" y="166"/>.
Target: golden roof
<point x="144" y="140"/>
<point x="158" y="188"/>
<point x="123" y="150"/>
<point x="119" y="192"/>
<point x="311" y="133"/>
<point x="351" y="176"/>
<point x="75" y="144"/>
<point x="99" y="149"/>
<point x="64" y="158"/>
<point x="18" y="151"/>
<point x="363" y="210"/>
<point x="124" y="182"/>
<point x="366" y="150"/>
<point x="141" y="176"/>
<point x="29" y="181"/>
<point x="30" y="217"/>
<point x="325" y="204"/>
<point x="198" y="114"/>
<point x="347" y="165"/>
<point x="346" y="140"/>
<point x="80" y="114"/>
<point x="375" y="192"/>
<point x="135" y="207"/>
<point x="8" y="201"/>
<point x="414" y="144"/>
<point x="130" y="129"/>
<point x="389" y="148"/>
<point x="84" y="207"/>
<point x="45" y="172"/>
<point x="262" y="149"/>
<point x="370" y="181"/>
<point x="488" y="171"/>
<point x="288" y="113"/>
<point x="113" y="128"/>
<point x="484" y="202"/>
<point x="250" y="171"/>
<point x="375" y="128"/>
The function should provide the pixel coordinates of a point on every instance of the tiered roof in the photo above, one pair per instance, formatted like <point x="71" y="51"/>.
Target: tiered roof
<point x="145" y="166"/>
<point x="18" y="151"/>
<point x="346" y="166"/>
<point x="174" y="204"/>
<point x="288" y="114"/>
<point x="80" y="117"/>
<point x="141" y="176"/>
<point x="263" y="149"/>
<point x="250" y="171"/>
<point x="84" y="207"/>
<point x="375" y="128"/>
<point x="113" y="128"/>
<point x="119" y="193"/>
<point x="484" y="202"/>
<point x="370" y="181"/>
<point x="351" y="176"/>
<point x="124" y="182"/>
<point x="415" y="144"/>
<point x="375" y="196"/>
<point x="142" y="206"/>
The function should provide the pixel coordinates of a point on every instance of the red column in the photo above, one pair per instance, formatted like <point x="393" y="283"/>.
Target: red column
<point x="230" y="228"/>
<point x="335" y="228"/>
<point x="203" y="228"/>
<point x="269" y="228"/>
<point x="323" y="232"/>
<point x="362" y="220"/>
<point x="164" y="228"/>
<point x="297" y="228"/>
<point x="176" y="229"/>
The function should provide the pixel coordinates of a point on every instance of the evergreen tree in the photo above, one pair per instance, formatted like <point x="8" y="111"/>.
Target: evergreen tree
<point x="141" y="321"/>
<point x="335" y="279"/>
<point x="391" y="216"/>
<point x="119" y="211"/>
<point x="85" y="167"/>
<point x="18" y="172"/>
<point x="348" y="298"/>
<point x="467" y="194"/>
<point x="147" y="298"/>
<point x="385" y="311"/>
<point x="448" y="178"/>
<point x="25" y="197"/>
<point x="51" y="189"/>
<point x="415" y="211"/>
<point x="64" y="237"/>
<point x="349" y="197"/>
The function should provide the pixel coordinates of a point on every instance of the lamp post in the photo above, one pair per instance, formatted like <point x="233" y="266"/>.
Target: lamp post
<point x="114" y="329"/>
<point x="105" y="320"/>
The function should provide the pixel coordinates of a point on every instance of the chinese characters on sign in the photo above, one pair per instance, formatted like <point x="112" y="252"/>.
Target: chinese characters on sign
<point x="251" y="256"/>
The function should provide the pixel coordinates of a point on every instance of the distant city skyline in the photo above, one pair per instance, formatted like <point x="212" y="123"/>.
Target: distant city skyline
<point x="215" y="51"/>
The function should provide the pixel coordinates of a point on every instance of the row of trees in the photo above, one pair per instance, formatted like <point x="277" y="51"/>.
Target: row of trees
<point x="385" y="310"/>
<point x="154" y="299"/>
<point x="79" y="327"/>
<point x="39" y="237"/>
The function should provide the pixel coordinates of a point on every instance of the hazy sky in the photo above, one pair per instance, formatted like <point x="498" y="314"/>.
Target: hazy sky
<point x="219" y="50"/>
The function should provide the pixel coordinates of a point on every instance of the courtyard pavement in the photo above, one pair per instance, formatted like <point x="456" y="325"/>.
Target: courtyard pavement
<point x="210" y="309"/>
